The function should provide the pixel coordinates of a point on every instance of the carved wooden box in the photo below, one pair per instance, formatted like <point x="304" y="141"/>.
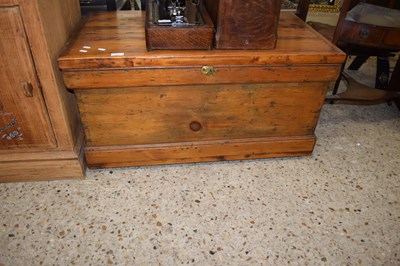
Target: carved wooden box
<point x="250" y="24"/>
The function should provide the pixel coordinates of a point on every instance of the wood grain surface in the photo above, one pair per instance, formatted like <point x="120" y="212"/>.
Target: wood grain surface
<point x="33" y="35"/>
<point x="22" y="171"/>
<point x="250" y="24"/>
<point x="195" y="76"/>
<point x="165" y="114"/>
<point x="22" y="108"/>
<point x="8" y="2"/>
<point x="205" y="151"/>
<point x="123" y="32"/>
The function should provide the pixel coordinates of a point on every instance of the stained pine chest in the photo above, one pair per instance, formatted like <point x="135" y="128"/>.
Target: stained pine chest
<point x="171" y="106"/>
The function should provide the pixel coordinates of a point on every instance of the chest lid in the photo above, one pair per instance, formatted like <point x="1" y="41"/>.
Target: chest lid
<point x="117" y="40"/>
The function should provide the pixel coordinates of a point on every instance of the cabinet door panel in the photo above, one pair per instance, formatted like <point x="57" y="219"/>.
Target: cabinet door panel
<point x="24" y="122"/>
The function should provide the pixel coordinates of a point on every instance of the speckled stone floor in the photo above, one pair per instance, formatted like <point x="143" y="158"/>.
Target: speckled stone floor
<point x="340" y="206"/>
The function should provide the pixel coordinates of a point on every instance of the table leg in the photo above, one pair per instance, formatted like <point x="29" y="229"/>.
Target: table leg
<point x="358" y="92"/>
<point x="394" y="82"/>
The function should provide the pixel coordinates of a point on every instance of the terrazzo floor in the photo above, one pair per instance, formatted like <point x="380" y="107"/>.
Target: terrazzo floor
<point x="340" y="206"/>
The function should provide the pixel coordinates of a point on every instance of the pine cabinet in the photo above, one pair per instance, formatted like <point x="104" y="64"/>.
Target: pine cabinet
<point x="40" y="134"/>
<point x="24" y="119"/>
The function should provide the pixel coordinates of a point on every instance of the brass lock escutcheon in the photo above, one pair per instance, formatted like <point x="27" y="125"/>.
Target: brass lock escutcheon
<point x="208" y="70"/>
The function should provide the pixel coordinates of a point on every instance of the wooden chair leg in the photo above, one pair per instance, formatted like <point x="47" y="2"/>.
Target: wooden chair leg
<point x="337" y="83"/>
<point x="394" y="83"/>
<point x="127" y="5"/>
<point x="357" y="92"/>
<point x="358" y="62"/>
<point x="111" y="5"/>
<point x="382" y="72"/>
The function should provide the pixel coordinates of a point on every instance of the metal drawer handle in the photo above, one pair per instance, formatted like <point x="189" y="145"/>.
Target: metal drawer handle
<point x="208" y="70"/>
<point x="364" y="33"/>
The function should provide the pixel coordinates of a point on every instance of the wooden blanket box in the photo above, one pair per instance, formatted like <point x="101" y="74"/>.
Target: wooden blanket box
<point x="181" y="106"/>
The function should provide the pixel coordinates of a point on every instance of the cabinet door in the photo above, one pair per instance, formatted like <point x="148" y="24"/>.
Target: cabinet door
<point x="24" y="122"/>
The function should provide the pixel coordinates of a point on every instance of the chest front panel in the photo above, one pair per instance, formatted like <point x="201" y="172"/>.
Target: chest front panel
<point x="168" y="114"/>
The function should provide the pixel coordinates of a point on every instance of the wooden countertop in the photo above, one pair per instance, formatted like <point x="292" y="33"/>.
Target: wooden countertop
<point x="117" y="40"/>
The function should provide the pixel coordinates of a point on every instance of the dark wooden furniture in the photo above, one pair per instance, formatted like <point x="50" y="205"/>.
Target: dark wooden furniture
<point x="364" y="30"/>
<point x="40" y="134"/>
<point x="110" y="5"/>
<point x="250" y="24"/>
<point x="168" y="106"/>
<point x="113" y="5"/>
<point x="182" y="37"/>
